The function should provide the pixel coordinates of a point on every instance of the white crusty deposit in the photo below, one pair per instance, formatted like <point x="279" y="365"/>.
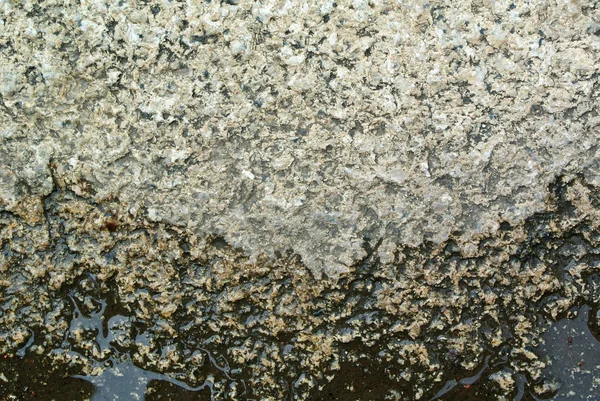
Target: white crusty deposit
<point x="307" y="126"/>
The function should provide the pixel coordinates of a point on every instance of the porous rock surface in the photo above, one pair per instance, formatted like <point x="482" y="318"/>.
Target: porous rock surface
<point x="333" y="171"/>
<point x="303" y="126"/>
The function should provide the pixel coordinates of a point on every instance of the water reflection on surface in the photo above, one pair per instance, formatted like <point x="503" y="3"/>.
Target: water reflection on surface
<point x="119" y="377"/>
<point x="574" y="353"/>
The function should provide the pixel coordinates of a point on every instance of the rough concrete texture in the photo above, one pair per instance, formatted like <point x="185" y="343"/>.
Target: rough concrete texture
<point x="290" y="125"/>
<point x="380" y="172"/>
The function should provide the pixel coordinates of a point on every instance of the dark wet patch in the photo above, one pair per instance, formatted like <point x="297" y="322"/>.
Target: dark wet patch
<point x="121" y="378"/>
<point x="161" y="390"/>
<point x="574" y="356"/>
<point x="364" y="373"/>
<point x="34" y="377"/>
<point x="483" y="389"/>
<point x="364" y="379"/>
<point x="594" y="321"/>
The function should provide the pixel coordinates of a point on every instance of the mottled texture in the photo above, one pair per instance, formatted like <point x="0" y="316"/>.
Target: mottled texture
<point x="300" y="186"/>
<point x="289" y="125"/>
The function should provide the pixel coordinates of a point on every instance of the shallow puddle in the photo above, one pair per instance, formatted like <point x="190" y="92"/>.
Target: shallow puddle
<point x="115" y="376"/>
<point x="572" y="374"/>
<point x="574" y="354"/>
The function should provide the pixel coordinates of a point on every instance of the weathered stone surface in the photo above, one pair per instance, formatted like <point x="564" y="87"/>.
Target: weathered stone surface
<point x="289" y="125"/>
<point x="282" y="179"/>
